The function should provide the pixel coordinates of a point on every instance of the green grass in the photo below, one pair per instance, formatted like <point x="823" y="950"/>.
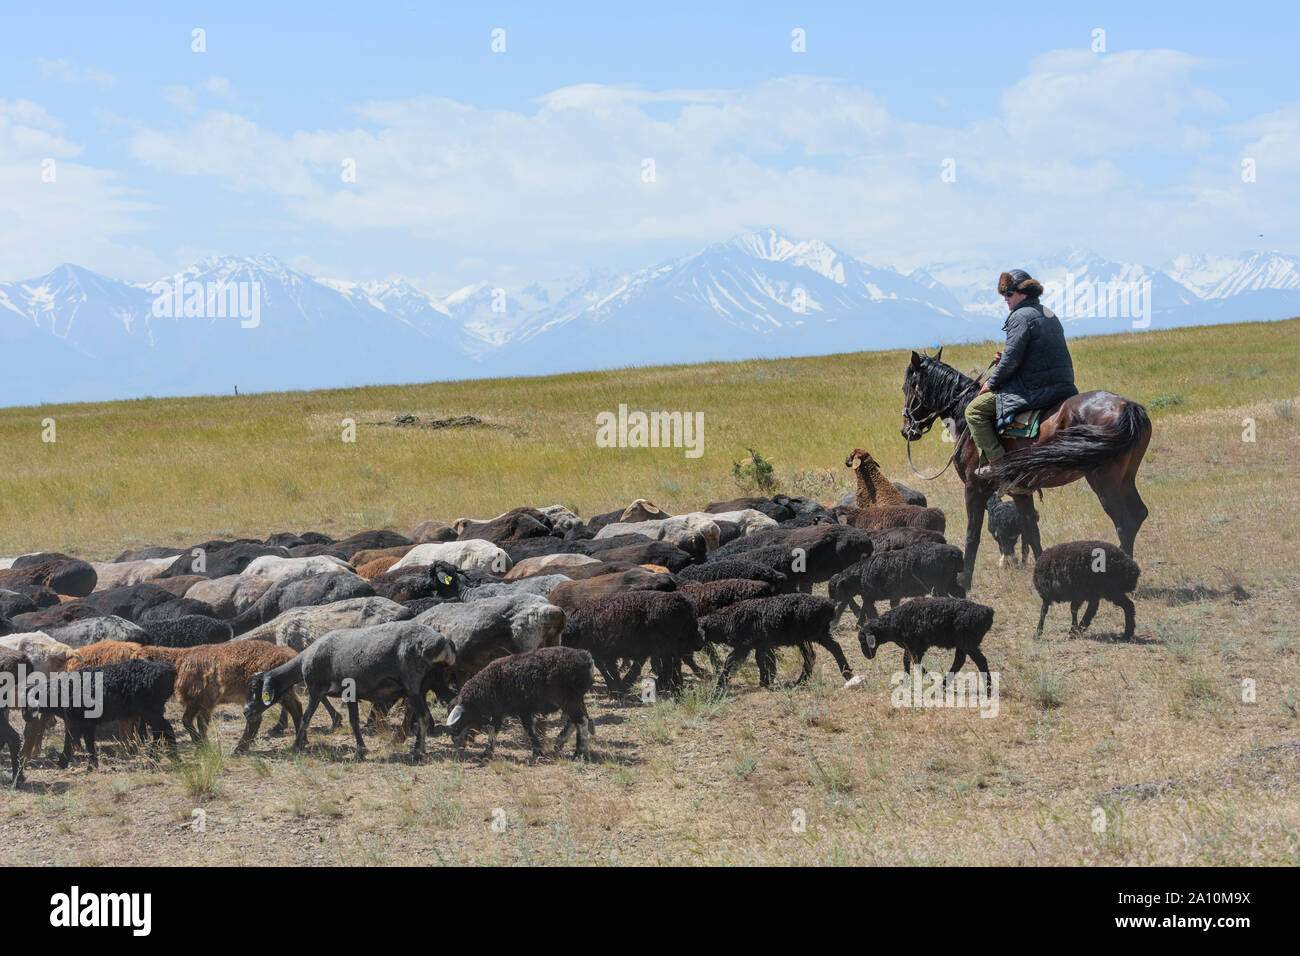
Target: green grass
<point x="176" y="471"/>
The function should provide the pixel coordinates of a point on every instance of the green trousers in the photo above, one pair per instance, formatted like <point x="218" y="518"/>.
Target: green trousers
<point x="981" y="417"/>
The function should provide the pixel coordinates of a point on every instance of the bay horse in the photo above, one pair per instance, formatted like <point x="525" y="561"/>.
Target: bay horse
<point x="1095" y="435"/>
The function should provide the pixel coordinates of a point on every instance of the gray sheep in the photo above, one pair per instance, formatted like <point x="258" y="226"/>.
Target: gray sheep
<point x="378" y="663"/>
<point x="524" y="686"/>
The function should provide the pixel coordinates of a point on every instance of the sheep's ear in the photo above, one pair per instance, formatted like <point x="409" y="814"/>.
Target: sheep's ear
<point x="455" y="714"/>
<point x="268" y="695"/>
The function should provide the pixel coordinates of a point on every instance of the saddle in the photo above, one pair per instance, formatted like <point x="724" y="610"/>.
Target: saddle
<point x="1023" y="424"/>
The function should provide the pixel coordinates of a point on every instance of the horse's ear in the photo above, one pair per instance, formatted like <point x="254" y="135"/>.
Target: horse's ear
<point x="916" y="360"/>
<point x="939" y="354"/>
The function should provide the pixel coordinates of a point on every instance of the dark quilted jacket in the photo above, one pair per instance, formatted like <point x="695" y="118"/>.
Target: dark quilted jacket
<point x="1036" y="369"/>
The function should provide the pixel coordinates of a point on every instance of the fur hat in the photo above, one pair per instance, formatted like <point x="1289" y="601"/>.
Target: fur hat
<point x="1018" y="280"/>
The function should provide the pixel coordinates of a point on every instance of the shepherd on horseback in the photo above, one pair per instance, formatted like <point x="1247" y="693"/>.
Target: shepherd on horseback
<point x="1098" y="436"/>
<point x="1034" y="368"/>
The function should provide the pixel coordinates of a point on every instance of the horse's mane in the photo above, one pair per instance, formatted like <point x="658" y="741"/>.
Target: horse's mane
<point x="945" y="389"/>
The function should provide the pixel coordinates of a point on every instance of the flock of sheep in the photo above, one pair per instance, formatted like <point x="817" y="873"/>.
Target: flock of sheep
<point x="508" y="617"/>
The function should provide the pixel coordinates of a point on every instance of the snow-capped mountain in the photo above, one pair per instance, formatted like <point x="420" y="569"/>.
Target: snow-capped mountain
<point x="257" y="324"/>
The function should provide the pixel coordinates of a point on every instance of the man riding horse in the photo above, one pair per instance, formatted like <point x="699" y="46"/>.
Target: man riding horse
<point x="1034" y="367"/>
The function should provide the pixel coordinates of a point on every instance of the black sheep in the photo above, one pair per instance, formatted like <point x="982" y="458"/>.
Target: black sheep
<point x="763" y="624"/>
<point x="1006" y="526"/>
<point x="734" y="567"/>
<point x="659" y="626"/>
<point x="893" y="575"/>
<point x="710" y="596"/>
<point x="176" y="607"/>
<point x="38" y="594"/>
<point x="15" y="602"/>
<point x="524" y="686"/>
<point x="638" y="549"/>
<point x="1086" y="571"/>
<point x="188" y="631"/>
<point x="926" y="622"/>
<point x="910" y="495"/>
<point x="128" y="690"/>
<point x="216" y="559"/>
<point x="62" y="572"/>
<point x="895" y="539"/>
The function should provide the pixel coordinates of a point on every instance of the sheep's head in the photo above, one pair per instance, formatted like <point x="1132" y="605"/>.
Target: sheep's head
<point x="447" y="579"/>
<point x="262" y="694"/>
<point x="857" y="458"/>
<point x="460" y="721"/>
<point x="868" y="638"/>
<point x="439" y="650"/>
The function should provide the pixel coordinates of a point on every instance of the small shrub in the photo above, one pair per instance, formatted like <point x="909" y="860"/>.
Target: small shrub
<point x="755" y="473"/>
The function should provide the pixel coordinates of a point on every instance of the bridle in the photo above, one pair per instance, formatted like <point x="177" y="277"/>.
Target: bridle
<point x="909" y="417"/>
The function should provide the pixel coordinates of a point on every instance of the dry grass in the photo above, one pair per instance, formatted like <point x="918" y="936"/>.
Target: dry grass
<point x="1154" y="732"/>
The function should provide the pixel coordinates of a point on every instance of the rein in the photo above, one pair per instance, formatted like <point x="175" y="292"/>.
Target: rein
<point x="957" y="443"/>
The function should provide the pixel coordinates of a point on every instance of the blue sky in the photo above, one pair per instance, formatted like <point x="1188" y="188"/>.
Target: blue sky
<point x="527" y="164"/>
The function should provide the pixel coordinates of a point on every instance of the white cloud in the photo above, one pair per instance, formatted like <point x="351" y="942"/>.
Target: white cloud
<point x="68" y="72"/>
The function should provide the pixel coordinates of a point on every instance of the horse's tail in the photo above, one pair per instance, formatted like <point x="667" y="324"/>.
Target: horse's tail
<point x="1081" y="447"/>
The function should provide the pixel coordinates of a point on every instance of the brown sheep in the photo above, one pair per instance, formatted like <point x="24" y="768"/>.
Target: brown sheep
<point x="571" y="595"/>
<point x="371" y="554"/>
<point x="375" y="567"/>
<point x="881" y="505"/>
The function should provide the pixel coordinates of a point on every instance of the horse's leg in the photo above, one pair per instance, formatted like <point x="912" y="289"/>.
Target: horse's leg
<point x="977" y="493"/>
<point x="1028" y="524"/>
<point x="1106" y="483"/>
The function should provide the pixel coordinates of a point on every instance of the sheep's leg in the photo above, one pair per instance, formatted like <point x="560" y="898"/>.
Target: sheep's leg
<point x="418" y="710"/>
<point x="612" y="682"/>
<point x="336" y="719"/>
<point x="977" y="656"/>
<point x="494" y="728"/>
<point x="354" y="718"/>
<point x="282" y="724"/>
<point x="837" y="652"/>
<point x="187" y="721"/>
<point x="870" y="608"/>
<point x="68" y="746"/>
<point x="583" y="723"/>
<point x="693" y="665"/>
<point x="1130" y="618"/>
<point x="1029" y="539"/>
<point x="300" y="738"/>
<point x="161" y="726"/>
<point x="809" y="657"/>
<point x="958" y="660"/>
<point x="633" y="671"/>
<point x="569" y="727"/>
<point x="734" y="660"/>
<point x="14" y="742"/>
<point x="530" y="729"/>
<point x="1089" y="613"/>
<point x="88" y="739"/>
<point x="1042" y="616"/>
<point x="765" y="657"/>
<point x="33" y="733"/>
<point x="1074" y="614"/>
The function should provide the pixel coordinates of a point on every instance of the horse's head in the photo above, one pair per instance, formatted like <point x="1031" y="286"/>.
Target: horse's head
<point x="918" y="416"/>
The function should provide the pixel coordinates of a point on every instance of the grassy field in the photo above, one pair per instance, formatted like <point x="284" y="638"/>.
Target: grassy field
<point x="1153" y="732"/>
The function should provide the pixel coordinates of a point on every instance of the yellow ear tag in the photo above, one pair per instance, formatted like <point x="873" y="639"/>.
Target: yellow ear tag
<point x="266" y="697"/>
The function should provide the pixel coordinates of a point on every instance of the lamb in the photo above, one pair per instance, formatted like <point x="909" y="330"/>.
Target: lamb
<point x="1006" y="526"/>
<point x="638" y="625"/>
<point x="286" y="594"/>
<point x="525" y="685"/>
<point x="215" y="674"/>
<point x="926" y="622"/>
<point x="911" y="572"/>
<point x="482" y="631"/>
<point x="763" y="624"/>
<point x="1086" y="571"/>
<point x="880" y="504"/>
<point x="191" y="630"/>
<point x="378" y="663"/>
<point x="131" y="690"/>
